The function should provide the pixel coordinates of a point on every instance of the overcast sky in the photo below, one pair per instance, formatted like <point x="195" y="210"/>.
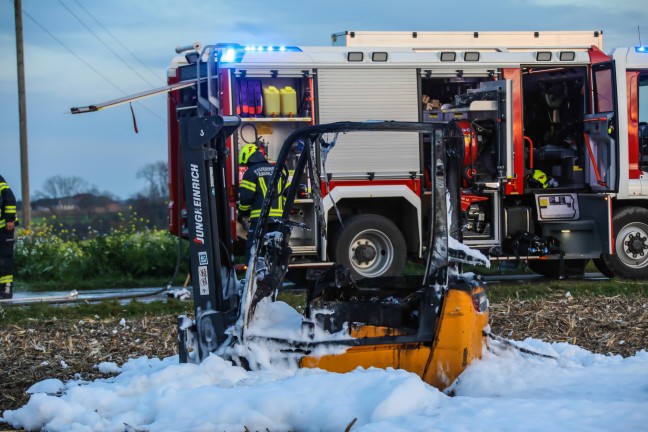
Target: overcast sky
<point x="66" y="65"/>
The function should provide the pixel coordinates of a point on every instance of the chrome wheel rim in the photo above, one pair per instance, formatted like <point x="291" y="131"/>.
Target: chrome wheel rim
<point x="631" y="245"/>
<point x="371" y="253"/>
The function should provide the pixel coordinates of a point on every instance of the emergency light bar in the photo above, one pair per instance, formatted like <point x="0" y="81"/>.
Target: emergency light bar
<point x="271" y="48"/>
<point x="235" y="53"/>
<point x="641" y="49"/>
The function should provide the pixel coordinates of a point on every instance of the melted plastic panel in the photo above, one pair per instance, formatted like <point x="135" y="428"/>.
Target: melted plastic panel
<point x="458" y="340"/>
<point x="391" y="302"/>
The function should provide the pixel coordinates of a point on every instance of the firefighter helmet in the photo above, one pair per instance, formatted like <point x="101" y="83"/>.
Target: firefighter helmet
<point x="538" y="179"/>
<point x="245" y="153"/>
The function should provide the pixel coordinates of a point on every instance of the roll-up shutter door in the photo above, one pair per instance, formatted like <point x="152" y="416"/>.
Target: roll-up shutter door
<point x="370" y="94"/>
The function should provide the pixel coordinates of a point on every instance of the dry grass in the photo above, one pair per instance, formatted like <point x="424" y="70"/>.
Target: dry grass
<point x="606" y="325"/>
<point x="67" y="349"/>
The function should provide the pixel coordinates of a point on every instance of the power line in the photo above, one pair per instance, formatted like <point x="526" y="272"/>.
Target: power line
<point x="116" y="39"/>
<point x="72" y="52"/>
<point x="105" y="78"/>
<point x="105" y="44"/>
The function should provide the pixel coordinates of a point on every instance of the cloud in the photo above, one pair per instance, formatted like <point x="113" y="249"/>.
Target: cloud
<point x="605" y="5"/>
<point x="98" y="143"/>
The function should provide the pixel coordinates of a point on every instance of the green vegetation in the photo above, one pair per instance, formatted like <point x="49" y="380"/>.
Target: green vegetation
<point x="543" y="288"/>
<point x="295" y="298"/>
<point x="105" y="309"/>
<point x="540" y="288"/>
<point x="497" y="292"/>
<point x="49" y="256"/>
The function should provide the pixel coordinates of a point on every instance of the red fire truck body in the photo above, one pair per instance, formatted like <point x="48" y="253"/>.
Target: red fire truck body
<point x="555" y="154"/>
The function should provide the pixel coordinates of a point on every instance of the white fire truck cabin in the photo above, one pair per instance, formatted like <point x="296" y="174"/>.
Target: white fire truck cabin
<point x="552" y="135"/>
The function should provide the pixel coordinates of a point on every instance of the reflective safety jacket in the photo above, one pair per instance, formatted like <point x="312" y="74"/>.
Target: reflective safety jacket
<point x="254" y="188"/>
<point x="7" y="204"/>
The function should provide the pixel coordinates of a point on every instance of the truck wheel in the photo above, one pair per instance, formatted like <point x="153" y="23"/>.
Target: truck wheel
<point x="603" y="268"/>
<point x="551" y="268"/>
<point x="630" y="259"/>
<point x="370" y="245"/>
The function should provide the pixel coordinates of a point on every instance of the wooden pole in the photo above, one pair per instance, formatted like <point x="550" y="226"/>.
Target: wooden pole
<point x="22" y="114"/>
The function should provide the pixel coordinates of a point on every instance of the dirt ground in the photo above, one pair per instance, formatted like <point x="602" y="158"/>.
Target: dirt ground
<point x="70" y="350"/>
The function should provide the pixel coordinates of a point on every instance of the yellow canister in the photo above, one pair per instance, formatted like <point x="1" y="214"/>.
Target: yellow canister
<point x="288" y="102"/>
<point x="271" y="102"/>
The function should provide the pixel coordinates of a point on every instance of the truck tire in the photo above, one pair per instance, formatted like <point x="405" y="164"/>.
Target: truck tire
<point x="551" y="268"/>
<point x="370" y="245"/>
<point x="602" y="267"/>
<point x="630" y="259"/>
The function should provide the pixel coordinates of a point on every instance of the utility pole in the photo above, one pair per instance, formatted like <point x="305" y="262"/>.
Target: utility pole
<point x="22" y="114"/>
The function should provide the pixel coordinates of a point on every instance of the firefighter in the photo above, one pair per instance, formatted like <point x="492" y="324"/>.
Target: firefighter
<point x="7" y="225"/>
<point x="254" y="188"/>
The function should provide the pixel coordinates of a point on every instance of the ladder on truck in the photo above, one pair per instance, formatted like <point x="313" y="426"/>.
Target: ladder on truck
<point x="493" y="40"/>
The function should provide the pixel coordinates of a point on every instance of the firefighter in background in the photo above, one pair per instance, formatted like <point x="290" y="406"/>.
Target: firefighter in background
<point x="7" y="225"/>
<point x="254" y="188"/>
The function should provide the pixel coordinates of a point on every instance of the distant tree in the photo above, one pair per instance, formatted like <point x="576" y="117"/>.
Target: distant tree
<point x="150" y="203"/>
<point x="57" y="187"/>
<point x="155" y="175"/>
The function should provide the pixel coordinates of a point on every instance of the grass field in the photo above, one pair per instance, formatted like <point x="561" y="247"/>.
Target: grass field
<point x="536" y="289"/>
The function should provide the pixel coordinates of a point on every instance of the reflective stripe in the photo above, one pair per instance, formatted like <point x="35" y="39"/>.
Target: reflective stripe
<point x="10" y="209"/>
<point x="273" y="212"/>
<point x="3" y="223"/>
<point x="248" y="185"/>
<point x="244" y="207"/>
<point x="6" y="279"/>
<point x="264" y="188"/>
<point x="3" y="186"/>
<point x="280" y="197"/>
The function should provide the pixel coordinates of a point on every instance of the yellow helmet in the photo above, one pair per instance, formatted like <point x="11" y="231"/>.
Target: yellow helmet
<point x="540" y="178"/>
<point x="245" y="153"/>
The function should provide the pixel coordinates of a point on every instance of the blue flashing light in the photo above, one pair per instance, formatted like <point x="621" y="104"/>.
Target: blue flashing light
<point x="228" y="56"/>
<point x="272" y="48"/>
<point x="233" y="53"/>
<point x="641" y="49"/>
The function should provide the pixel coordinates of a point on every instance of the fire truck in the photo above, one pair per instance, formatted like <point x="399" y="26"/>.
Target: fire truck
<point x="554" y="162"/>
<point x="555" y="152"/>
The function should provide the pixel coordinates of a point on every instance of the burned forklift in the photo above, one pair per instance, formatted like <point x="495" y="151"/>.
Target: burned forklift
<point x="430" y="324"/>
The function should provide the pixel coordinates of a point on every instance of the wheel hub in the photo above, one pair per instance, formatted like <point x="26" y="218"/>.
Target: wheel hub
<point x="371" y="253"/>
<point x="632" y="245"/>
<point x="636" y="245"/>
<point x="365" y="252"/>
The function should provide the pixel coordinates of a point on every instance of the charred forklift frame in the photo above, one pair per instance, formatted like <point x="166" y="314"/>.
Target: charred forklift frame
<point x="430" y="324"/>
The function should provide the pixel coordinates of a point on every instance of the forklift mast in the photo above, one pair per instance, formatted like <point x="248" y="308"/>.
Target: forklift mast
<point x="204" y="155"/>
<point x="204" y="152"/>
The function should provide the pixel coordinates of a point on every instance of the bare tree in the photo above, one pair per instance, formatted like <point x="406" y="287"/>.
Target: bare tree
<point x="57" y="187"/>
<point x="156" y="176"/>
